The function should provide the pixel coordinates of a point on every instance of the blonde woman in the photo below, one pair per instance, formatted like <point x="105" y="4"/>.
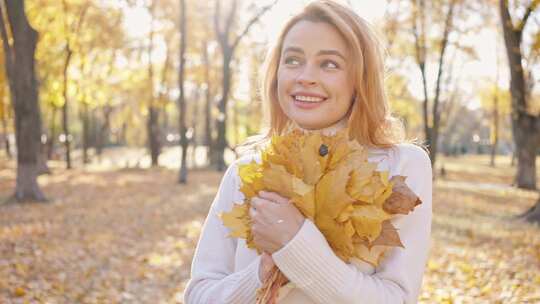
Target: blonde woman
<point x="325" y="73"/>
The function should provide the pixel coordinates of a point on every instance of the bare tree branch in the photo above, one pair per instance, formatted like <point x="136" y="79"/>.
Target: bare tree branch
<point x="230" y="18"/>
<point x="219" y="33"/>
<point x="251" y="22"/>
<point x="527" y="14"/>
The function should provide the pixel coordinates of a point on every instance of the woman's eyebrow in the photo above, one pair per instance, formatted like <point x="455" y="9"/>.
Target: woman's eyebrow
<point x="293" y="49"/>
<point x="332" y="52"/>
<point x="321" y="52"/>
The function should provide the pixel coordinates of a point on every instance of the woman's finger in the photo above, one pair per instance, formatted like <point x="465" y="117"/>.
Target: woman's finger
<point x="274" y="197"/>
<point x="259" y="202"/>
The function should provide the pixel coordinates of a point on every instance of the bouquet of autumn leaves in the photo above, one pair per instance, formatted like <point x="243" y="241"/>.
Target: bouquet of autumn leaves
<point x="331" y="182"/>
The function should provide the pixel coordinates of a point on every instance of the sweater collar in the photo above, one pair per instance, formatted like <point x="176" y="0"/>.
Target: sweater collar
<point x="327" y="131"/>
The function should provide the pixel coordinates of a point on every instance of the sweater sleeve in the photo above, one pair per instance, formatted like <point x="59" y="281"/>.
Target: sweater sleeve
<point x="309" y="262"/>
<point x="213" y="279"/>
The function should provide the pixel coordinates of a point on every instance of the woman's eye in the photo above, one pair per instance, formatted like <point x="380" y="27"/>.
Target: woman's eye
<point x="292" y="61"/>
<point x="329" y="64"/>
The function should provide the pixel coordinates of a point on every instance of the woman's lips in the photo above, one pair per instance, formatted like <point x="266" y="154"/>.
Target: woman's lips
<point x="308" y="101"/>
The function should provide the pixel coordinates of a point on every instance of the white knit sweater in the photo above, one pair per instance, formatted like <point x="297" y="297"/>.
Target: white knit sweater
<point x="224" y="270"/>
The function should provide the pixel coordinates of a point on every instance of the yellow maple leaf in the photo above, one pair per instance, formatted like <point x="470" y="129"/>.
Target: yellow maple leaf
<point x="340" y="148"/>
<point x="402" y="200"/>
<point x="388" y="237"/>
<point x="251" y="177"/>
<point x="372" y="188"/>
<point x="331" y="197"/>
<point x="276" y="178"/>
<point x="237" y="220"/>
<point x="306" y="204"/>
<point x="371" y="255"/>
<point x="367" y="221"/>
<point x="338" y="235"/>
<point x="345" y="215"/>
<point x="311" y="164"/>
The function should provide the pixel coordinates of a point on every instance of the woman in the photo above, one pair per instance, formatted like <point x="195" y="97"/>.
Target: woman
<point x="325" y="73"/>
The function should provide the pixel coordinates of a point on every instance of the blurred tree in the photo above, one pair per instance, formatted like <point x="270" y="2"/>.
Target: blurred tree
<point x="182" y="177"/>
<point x="255" y="111"/>
<point x="496" y="102"/>
<point x="50" y="59"/>
<point x="420" y="32"/>
<point x="525" y="123"/>
<point x="71" y="31"/>
<point x="203" y="69"/>
<point x="19" y="41"/>
<point x="228" y="42"/>
<point x="4" y="107"/>
<point x="426" y="35"/>
<point x="94" y="34"/>
<point x="153" y="131"/>
<point x="208" y="96"/>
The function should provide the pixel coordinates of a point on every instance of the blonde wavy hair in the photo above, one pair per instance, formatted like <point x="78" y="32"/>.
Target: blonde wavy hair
<point x="370" y="121"/>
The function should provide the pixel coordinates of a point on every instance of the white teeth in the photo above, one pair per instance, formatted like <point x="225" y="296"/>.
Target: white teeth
<point x="308" y="98"/>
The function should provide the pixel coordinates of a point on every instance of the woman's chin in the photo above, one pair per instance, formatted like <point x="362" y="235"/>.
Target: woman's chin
<point x="310" y="124"/>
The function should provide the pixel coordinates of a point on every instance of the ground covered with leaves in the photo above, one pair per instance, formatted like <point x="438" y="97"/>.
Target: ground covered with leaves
<point x="117" y="235"/>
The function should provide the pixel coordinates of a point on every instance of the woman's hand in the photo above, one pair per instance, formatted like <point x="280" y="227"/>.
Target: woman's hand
<point x="275" y="221"/>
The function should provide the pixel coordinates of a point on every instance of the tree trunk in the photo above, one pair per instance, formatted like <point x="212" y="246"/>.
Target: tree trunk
<point x="65" y="109"/>
<point x="4" y="113"/>
<point x="52" y="133"/>
<point x="123" y="137"/>
<point x="222" y="119"/>
<point x="153" y="135"/>
<point x="42" y="160"/>
<point x="86" y="132"/>
<point x="431" y="129"/>
<point x="65" y="119"/>
<point x="182" y="177"/>
<point x="20" y="70"/>
<point x="496" y="115"/>
<point x="533" y="214"/>
<point x="153" y="112"/>
<point x="495" y="140"/>
<point x="208" y="142"/>
<point x="6" y="137"/>
<point x="103" y="131"/>
<point x="436" y="113"/>
<point x="228" y="47"/>
<point x="192" y="133"/>
<point x="420" y="49"/>
<point x="525" y="126"/>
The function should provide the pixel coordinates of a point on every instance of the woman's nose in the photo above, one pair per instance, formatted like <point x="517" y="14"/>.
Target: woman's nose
<point x="307" y="76"/>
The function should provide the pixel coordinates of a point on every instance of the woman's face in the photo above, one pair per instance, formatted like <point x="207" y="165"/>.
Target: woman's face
<point x="314" y="86"/>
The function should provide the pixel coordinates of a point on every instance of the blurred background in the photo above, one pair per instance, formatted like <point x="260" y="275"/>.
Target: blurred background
<point x="118" y="117"/>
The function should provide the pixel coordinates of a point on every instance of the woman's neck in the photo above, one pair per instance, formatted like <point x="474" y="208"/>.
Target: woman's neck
<point x="328" y="131"/>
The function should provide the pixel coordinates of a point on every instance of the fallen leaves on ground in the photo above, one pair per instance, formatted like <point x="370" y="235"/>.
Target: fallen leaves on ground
<point x="124" y="236"/>
<point x="127" y="236"/>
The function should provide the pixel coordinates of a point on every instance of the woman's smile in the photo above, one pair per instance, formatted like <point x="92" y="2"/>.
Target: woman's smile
<point x="308" y="101"/>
